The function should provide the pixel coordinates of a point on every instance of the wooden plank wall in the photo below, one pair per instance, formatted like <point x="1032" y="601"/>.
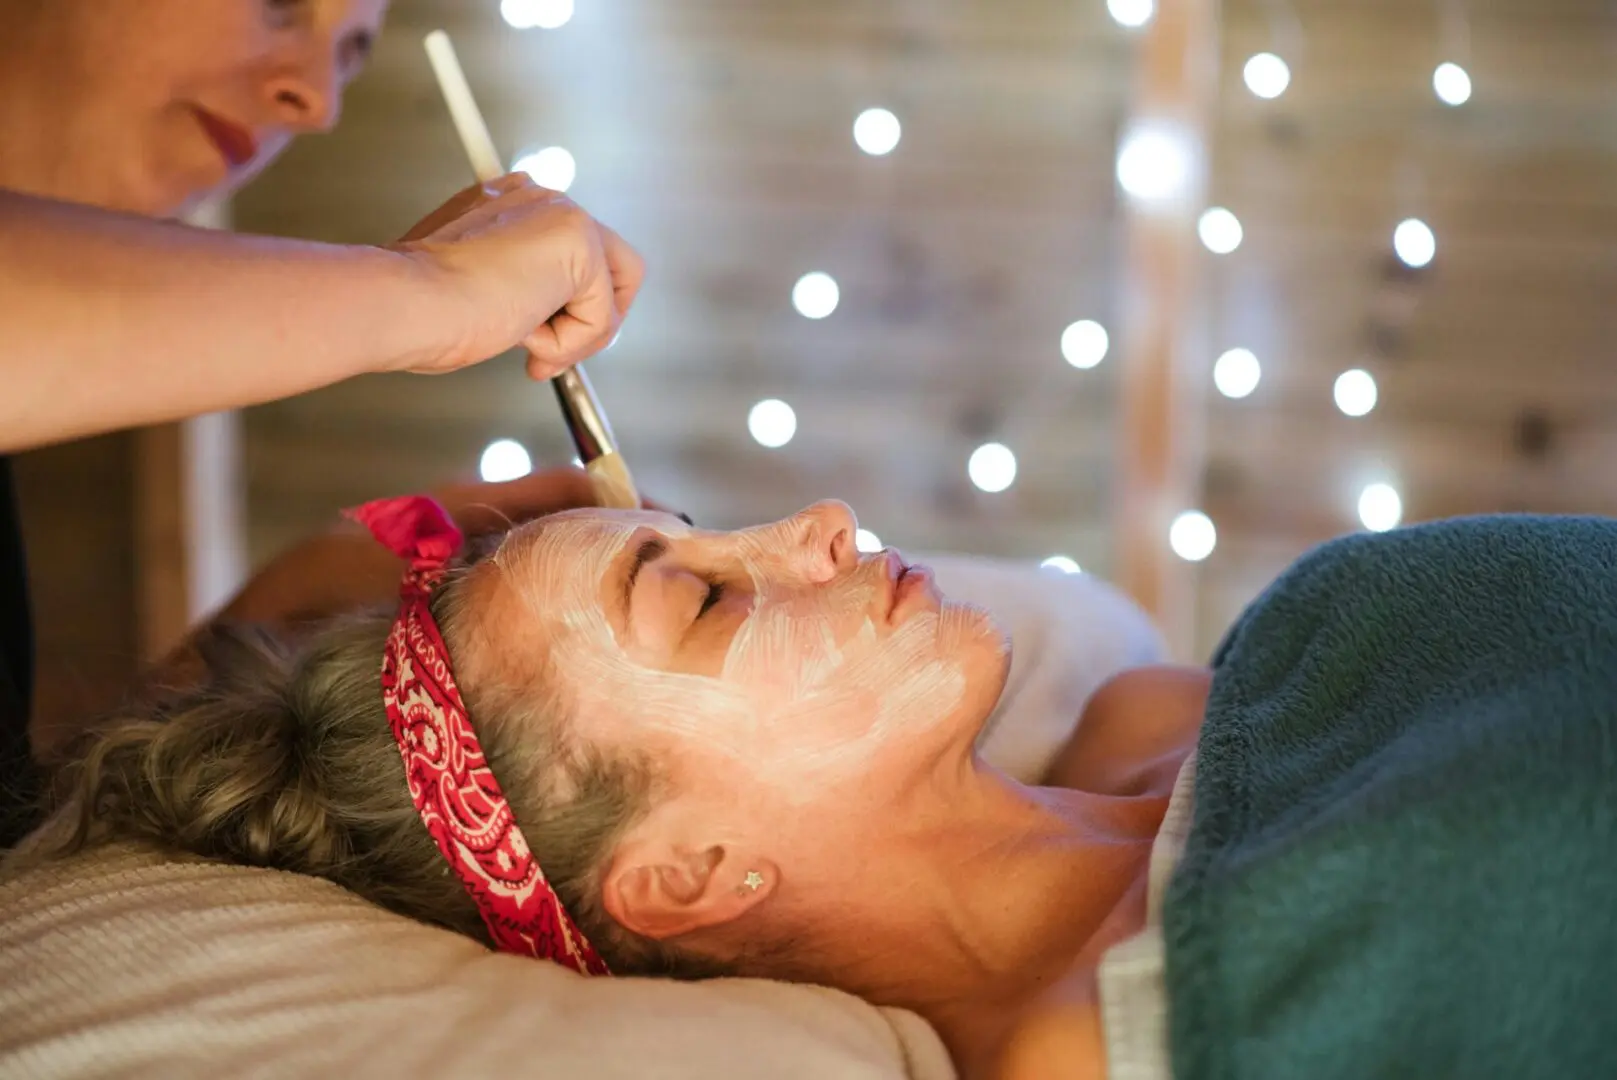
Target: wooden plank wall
<point x="79" y="522"/>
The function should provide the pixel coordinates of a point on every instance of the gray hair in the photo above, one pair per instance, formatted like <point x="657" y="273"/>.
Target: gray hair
<point x="282" y="756"/>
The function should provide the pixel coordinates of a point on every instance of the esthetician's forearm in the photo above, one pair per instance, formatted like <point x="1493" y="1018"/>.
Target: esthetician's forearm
<point x="109" y="321"/>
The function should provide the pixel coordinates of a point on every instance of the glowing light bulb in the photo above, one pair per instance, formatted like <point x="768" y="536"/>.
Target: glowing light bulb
<point x="1061" y="564"/>
<point x="1154" y="163"/>
<point x="867" y="541"/>
<point x="1266" y="75"/>
<point x="1084" y="343"/>
<point x="536" y="14"/>
<point x="1452" y="84"/>
<point x="992" y="467"/>
<point x="1380" y="507"/>
<point x="1220" y="231"/>
<point x="1355" y="392"/>
<point x="1414" y="242"/>
<point x="772" y="422"/>
<point x="1131" y="13"/>
<point x="1192" y="536"/>
<point x="553" y="168"/>
<point x="504" y="459"/>
<point x="815" y="295"/>
<point x="1236" y="373"/>
<point x="876" y="132"/>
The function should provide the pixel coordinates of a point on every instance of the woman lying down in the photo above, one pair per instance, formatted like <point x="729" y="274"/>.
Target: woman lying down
<point x="1383" y="843"/>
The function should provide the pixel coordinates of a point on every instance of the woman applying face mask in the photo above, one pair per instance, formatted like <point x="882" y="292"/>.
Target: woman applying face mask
<point x="115" y="114"/>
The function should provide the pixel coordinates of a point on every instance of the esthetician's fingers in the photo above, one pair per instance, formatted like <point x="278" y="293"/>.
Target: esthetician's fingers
<point x="480" y="508"/>
<point x="664" y="508"/>
<point x="627" y="267"/>
<point x="587" y="323"/>
<point x="578" y="331"/>
<point x="344" y="569"/>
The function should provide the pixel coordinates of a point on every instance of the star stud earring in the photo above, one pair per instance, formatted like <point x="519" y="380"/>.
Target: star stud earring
<point x="754" y="880"/>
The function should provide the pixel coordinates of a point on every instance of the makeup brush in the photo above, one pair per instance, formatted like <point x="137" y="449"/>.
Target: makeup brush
<point x="586" y="422"/>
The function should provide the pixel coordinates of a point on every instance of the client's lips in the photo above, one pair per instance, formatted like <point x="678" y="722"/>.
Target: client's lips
<point x="234" y="142"/>
<point x="911" y="585"/>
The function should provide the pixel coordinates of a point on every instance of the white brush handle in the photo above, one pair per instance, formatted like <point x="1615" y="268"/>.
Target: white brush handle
<point x="463" y="108"/>
<point x="610" y="474"/>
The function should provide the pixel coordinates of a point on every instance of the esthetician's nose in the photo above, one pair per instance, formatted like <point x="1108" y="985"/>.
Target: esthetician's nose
<point x="305" y="93"/>
<point x="829" y="535"/>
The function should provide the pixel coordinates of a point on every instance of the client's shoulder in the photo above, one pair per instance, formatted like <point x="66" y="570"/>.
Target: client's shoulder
<point x="1135" y="732"/>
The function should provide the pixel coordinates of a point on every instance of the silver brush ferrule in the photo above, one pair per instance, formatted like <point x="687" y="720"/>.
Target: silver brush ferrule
<point x="592" y="435"/>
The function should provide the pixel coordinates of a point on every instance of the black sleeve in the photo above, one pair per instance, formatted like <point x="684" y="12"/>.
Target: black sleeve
<point x="19" y="776"/>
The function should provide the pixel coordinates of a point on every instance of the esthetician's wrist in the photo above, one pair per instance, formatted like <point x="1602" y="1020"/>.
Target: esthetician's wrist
<point x="427" y="314"/>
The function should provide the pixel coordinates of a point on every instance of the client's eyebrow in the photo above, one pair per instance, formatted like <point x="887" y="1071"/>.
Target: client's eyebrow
<point x="649" y="551"/>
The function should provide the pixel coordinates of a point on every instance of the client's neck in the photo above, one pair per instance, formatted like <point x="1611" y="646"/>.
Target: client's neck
<point x="989" y="904"/>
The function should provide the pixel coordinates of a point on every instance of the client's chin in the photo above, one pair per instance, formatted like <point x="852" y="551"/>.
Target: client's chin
<point x="983" y="649"/>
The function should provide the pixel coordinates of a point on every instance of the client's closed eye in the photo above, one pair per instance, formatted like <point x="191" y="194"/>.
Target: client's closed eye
<point x="715" y="593"/>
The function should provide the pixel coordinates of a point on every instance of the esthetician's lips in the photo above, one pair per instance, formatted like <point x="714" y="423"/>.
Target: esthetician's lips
<point x="234" y="142"/>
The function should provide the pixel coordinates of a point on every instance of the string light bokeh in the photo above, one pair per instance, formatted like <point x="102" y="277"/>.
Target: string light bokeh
<point x="1152" y="164"/>
<point x="899" y="274"/>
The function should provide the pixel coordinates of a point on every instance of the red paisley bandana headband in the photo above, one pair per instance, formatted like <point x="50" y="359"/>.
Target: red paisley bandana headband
<point x="459" y="800"/>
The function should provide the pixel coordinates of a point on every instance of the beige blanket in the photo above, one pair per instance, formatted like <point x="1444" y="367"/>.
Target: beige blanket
<point x="124" y="964"/>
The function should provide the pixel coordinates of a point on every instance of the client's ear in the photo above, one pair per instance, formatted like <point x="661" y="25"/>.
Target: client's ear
<point x="660" y="890"/>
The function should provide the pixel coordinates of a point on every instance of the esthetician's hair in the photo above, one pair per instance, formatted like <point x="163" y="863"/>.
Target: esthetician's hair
<point x="282" y="756"/>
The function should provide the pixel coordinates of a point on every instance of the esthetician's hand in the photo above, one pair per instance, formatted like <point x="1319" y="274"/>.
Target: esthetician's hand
<point x="483" y="508"/>
<point x="519" y="264"/>
<point x="343" y="568"/>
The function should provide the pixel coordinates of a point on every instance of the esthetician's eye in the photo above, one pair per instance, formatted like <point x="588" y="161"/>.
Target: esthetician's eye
<point x="281" y="13"/>
<point x="715" y="593"/>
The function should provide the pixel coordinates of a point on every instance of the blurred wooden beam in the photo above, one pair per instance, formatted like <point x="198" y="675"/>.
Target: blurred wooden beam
<point x="78" y="519"/>
<point x="1161" y="439"/>
<point x="161" y="601"/>
<point x="190" y="525"/>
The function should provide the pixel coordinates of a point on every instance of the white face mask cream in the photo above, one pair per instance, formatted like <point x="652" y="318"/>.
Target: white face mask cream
<point x="808" y="682"/>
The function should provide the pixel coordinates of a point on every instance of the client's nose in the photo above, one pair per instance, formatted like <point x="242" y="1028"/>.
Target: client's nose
<point x="830" y="538"/>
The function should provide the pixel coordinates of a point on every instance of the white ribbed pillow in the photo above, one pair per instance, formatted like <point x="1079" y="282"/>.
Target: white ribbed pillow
<point x="1069" y="633"/>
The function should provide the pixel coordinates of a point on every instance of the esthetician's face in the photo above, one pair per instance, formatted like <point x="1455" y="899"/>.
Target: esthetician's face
<point x="156" y="104"/>
<point x="776" y="655"/>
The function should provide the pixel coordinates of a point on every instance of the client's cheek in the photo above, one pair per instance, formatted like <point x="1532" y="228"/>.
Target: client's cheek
<point x="704" y="663"/>
<point x="708" y="645"/>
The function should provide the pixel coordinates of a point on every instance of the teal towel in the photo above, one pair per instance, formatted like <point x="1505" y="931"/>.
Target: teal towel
<point x="1403" y="858"/>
